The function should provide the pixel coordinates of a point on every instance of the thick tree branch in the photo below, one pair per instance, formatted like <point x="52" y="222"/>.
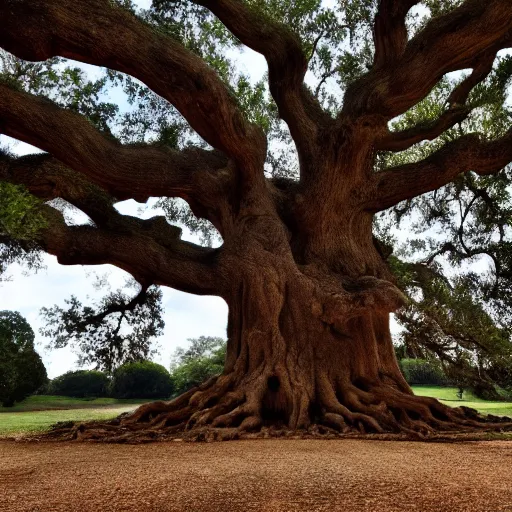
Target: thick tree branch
<point x="456" y="113"/>
<point x="101" y="33"/>
<point x="400" y="141"/>
<point x="180" y="265"/>
<point x="126" y="172"/>
<point x="287" y="66"/>
<point x="468" y="153"/>
<point x="390" y="31"/>
<point x="170" y="261"/>
<point x="456" y="40"/>
<point x="481" y="71"/>
<point x="47" y="178"/>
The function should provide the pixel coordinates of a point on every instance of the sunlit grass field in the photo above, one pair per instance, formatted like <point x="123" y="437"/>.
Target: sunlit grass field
<point x="52" y="402"/>
<point x="37" y="413"/>
<point x="449" y="397"/>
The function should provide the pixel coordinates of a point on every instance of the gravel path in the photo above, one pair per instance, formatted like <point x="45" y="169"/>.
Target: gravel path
<point x="260" y="475"/>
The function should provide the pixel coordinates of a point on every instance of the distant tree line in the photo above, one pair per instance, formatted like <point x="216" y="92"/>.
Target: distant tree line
<point x="22" y="372"/>
<point x="203" y="359"/>
<point x="141" y="379"/>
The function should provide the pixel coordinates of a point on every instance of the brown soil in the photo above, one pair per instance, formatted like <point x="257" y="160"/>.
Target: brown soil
<point x="260" y="475"/>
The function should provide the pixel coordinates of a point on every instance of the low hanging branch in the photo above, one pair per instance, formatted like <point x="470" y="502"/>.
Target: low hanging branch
<point x="188" y="267"/>
<point x="47" y="179"/>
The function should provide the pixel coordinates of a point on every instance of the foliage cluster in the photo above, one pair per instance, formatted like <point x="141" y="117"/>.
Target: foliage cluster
<point x="21" y="368"/>
<point x="203" y="359"/>
<point x="143" y="379"/>
<point x="80" y="384"/>
<point x="116" y="330"/>
<point x="422" y="372"/>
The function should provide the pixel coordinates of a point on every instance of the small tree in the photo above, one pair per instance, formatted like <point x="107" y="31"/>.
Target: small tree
<point x="117" y="330"/>
<point x="21" y="368"/>
<point x="202" y="360"/>
<point x="143" y="379"/>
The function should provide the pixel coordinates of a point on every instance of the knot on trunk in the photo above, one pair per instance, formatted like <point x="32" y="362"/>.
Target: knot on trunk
<point x="359" y="296"/>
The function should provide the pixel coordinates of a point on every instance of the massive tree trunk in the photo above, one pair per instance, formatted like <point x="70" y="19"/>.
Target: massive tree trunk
<point x="309" y="350"/>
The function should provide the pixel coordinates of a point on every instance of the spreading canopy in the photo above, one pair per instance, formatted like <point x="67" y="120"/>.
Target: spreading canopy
<point x="393" y="106"/>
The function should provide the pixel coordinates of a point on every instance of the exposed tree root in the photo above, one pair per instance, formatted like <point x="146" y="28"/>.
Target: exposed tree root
<point x="216" y="411"/>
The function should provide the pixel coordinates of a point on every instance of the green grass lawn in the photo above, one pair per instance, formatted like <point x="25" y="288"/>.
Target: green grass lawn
<point x="449" y="397"/>
<point x="15" y="423"/>
<point x="37" y="413"/>
<point x="51" y="402"/>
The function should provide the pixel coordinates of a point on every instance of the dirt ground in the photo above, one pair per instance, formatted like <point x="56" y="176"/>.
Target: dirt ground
<point x="259" y="475"/>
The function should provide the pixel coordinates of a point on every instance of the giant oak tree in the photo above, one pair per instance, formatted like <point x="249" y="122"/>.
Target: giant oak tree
<point x="309" y="286"/>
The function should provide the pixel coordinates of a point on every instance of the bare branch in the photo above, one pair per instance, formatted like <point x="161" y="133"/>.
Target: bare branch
<point x="456" y="113"/>
<point x="457" y="40"/>
<point x="316" y="42"/>
<point x="324" y="77"/>
<point x="466" y="154"/>
<point x="118" y="307"/>
<point x="101" y="33"/>
<point x="125" y="171"/>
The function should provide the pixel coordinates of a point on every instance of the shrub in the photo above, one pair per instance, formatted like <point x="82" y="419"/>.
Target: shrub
<point x="423" y="372"/>
<point x="80" y="384"/>
<point x="143" y="379"/>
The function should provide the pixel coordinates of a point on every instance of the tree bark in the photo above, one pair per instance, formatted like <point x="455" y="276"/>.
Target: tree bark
<point x="309" y="350"/>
